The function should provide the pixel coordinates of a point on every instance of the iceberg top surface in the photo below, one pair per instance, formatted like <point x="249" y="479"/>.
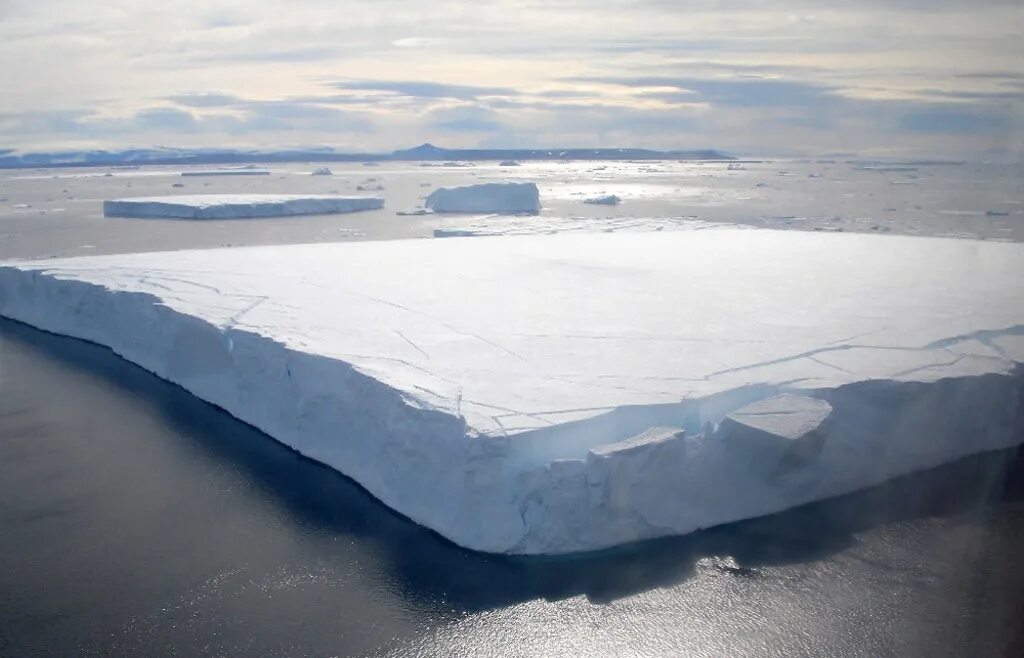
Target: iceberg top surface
<point x="522" y="333"/>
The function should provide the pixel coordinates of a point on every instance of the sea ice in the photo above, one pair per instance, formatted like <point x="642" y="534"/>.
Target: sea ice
<point x="552" y="394"/>
<point x="232" y="206"/>
<point x="486" y="197"/>
<point x="608" y="200"/>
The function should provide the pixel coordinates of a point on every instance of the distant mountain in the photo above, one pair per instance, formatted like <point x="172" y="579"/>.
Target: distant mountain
<point x="172" y="156"/>
<point x="11" y="159"/>
<point x="431" y="152"/>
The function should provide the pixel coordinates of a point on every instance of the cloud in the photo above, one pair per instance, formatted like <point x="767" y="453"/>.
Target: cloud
<point x="953" y="120"/>
<point x="209" y="99"/>
<point x="165" y="118"/>
<point x="382" y="74"/>
<point x="734" y="91"/>
<point x="303" y="54"/>
<point x="308" y="117"/>
<point x="470" y="118"/>
<point x="426" y="89"/>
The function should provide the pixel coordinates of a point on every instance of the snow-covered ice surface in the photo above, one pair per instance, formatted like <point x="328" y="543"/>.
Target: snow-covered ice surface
<point x="484" y="225"/>
<point x="551" y="394"/>
<point x="229" y="206"/>
<point x="513" y="197"/>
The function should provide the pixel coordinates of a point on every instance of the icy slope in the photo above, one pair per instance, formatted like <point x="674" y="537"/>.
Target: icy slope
<point x="549" y="394"/>
<point x="233" y="206"/>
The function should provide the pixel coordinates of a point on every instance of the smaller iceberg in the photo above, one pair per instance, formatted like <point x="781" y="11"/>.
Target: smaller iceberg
<point x="607" y="200"/>
<point x="486" y="197"/>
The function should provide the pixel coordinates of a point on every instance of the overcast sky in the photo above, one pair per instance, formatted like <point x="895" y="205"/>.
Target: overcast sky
<point x="873" y="77"/>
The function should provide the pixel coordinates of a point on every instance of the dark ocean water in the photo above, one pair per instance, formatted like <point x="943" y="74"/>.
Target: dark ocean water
<point x="137" y="520"/>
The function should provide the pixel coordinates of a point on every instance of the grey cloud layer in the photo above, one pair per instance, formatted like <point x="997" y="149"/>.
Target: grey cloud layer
<point x="751" y="75"/>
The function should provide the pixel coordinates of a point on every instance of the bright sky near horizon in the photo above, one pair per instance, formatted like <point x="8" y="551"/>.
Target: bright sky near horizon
<point x="778" y="77"/>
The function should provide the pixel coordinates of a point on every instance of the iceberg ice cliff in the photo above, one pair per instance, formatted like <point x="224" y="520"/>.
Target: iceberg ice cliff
<point x="553" y="394"/>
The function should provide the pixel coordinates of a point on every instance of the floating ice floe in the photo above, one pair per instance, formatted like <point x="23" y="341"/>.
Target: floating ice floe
<point x="231" y="206"/>
<point x="486" y="197"/>
<point x="607" y="200"/>
<point x="322" y="171"/>
<point x="552" y="394"/>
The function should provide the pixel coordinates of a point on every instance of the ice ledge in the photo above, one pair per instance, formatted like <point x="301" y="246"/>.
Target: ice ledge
<point x="504" y="423"/>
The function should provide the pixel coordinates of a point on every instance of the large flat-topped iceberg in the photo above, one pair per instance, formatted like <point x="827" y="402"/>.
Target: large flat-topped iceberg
<point x="550" y="394"/>
<point x="236" y="206"/>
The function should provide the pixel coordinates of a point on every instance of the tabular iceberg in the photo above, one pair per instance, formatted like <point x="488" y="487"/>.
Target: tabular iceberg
<point x="553" y="394"/>
<point x="237" y="206"/>
<point x="486" y="197"/>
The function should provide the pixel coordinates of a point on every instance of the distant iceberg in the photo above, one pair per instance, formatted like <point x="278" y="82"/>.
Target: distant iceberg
<point x="486" y="197"/>
<point x="236" y="206"/>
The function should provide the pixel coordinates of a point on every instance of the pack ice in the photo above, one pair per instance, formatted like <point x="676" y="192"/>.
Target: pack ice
<point x="236" y="206"/>
<point x="552" y="394"/>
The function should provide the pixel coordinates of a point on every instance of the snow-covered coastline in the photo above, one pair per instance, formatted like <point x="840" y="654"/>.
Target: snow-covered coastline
<point x="579" y="391"/>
